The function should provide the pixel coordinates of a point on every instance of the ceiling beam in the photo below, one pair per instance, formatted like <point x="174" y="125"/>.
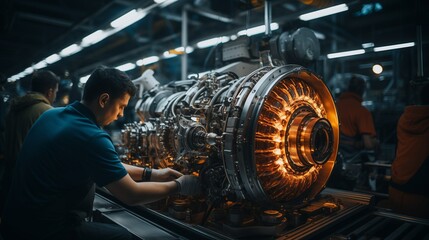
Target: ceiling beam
<point x="45" y="19"/>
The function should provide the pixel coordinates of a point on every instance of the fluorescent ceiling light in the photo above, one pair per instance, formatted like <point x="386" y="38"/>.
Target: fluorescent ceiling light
<point x="177" y="51"/>
<point x="13" y="78"/>
<point x="346" y="54"/>
<point x="72" y="49"/>
<point x="93" y="38"/>
<point x="164" y="3"/>
<point x="29" y="70"/>
<point x="118" y="24"/>
<point x="189" y="49"/>
<point x="368" y="45"/>
<point x="20" y="75"/>
<point x="128" y="18"/>
<point x="324" y="12"/>
<point x="17" y="76"/>
<point x="212" y="42"/>
<point x="147" y="61"/>
<point x="40" y="65"/>
<point x="84" y="79"/>
<point x="169" y="54"/>
<point x="126" y="67"/>
<point x="257" y="30"/>
<point x="396" y="46"/>
<point x="53" y="58"/>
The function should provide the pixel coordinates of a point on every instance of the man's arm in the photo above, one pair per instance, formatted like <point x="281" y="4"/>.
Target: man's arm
<point x="369" y="142"/>
<point x="133" y="193"/>
<point x="158" y="175"/>
<point x="134" y="172"/>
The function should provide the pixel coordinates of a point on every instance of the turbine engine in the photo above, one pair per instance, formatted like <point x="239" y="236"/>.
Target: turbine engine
<point x="268" y="136"/>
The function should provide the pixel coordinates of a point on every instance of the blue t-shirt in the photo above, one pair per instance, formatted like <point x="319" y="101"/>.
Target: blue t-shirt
<point x="63" y="154"/>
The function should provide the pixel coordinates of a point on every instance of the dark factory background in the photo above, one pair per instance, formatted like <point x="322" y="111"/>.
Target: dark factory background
<point x="33" y="34"/>
<point x="385" y="42"/>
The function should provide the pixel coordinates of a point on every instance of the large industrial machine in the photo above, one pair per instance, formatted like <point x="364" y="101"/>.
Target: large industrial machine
<point x="261" y="134"/>
<point x="265" y="135"/>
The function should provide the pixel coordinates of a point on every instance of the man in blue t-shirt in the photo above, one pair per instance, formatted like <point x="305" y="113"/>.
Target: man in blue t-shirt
<point x="66" y="152"/>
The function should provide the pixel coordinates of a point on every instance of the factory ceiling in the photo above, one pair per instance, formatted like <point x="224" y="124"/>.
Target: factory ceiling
<point x="31" y="31"/>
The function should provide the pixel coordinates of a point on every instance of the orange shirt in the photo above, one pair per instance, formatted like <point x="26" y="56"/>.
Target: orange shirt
<point x="413" y="143"/>
<point x="354" y="118"/>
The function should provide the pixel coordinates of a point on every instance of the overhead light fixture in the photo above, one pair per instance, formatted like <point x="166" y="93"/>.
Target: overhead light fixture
<point x="345" y="54"/>
<point x="21" y="75"/>
<point x="128" y="18"/>
<point x="377" y="68"/>
<point x="257" y="30"/>
<point x="368" y="45"/>
<point x="324" y="12"/>
<point x="177" y="51"/>
<point x="84" y="79"/>
<point x="168" y="54"/>
<point x="180" y="50"/>
<point x="147" y="61"/>
<point x="164" y="3"/>
<point x="395" y="46"/>
<point x="53" y="58"/>
<point x="93" y="38"/>
<point x="70" y="50"/>
<point x="13" y="78"/>
<point x="118" y="24"/>
<point x="18" y="76"/>
<point x="126" y="67"/>
<point x="212" y="42"/>
<point x="29" y="70"/>
<point x="40" y="65"/>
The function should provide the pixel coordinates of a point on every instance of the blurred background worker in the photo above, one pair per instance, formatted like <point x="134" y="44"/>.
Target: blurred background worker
<point x="357" y="135"/>
<point x="408" y="191"/>
<point x="23" y="112"/>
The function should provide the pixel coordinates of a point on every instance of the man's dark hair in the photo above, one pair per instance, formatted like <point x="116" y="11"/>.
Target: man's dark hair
<point x="42" y="81"/>
<point x="108" y="80"/>
<point x="357" y="85"/>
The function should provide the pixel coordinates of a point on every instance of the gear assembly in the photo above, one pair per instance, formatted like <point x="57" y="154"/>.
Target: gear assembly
<point x="260" y="133"/>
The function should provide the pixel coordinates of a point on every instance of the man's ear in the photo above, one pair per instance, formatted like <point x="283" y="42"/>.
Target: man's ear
<point x="49" y="93"/>
<point x="103" y="99"/>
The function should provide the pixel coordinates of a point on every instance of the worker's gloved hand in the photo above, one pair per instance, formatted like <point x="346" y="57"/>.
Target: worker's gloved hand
<point x="164" y="175"/>
<point x="188" y="185"/>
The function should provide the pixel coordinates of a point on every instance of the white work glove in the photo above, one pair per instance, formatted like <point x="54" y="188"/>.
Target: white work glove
<point x="164" y="175"/>
<point x="188" y="185"/>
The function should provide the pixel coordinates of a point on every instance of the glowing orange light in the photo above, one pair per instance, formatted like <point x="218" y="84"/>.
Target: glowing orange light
<point x="277" y="163"/>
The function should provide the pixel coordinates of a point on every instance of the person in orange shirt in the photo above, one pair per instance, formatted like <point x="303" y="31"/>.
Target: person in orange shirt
<point x="357" y="126"/>
<point x="408" y="191"/>
<point x="357" y="133"/>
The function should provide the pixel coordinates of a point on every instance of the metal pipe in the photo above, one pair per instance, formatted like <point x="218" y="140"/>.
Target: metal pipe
<point x="267" y="13"/>
<point x="46" y="19"/>
<point x="184" y="42"/>
<point x="211" y="14"/>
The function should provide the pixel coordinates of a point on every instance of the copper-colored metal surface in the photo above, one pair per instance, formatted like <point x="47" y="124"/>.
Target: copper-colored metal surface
<point x="294" y="138"/>
<point x="270" y="137"/>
